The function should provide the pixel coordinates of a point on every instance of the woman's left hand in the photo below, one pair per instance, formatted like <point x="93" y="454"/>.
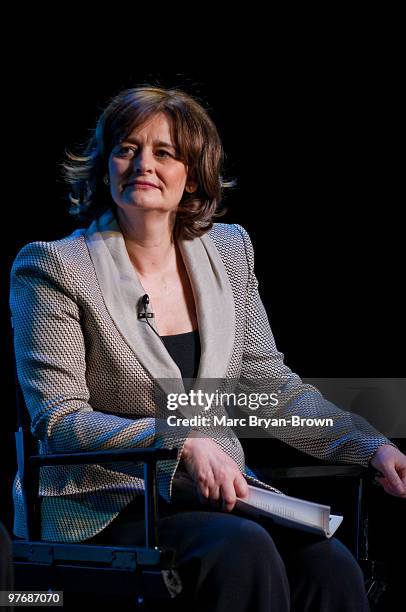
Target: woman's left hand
<point x="391" y="463"/>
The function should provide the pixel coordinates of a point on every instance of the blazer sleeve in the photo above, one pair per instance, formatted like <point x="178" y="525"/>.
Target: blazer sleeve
<point x="351" y="439"/>
<point x="51" y="370"/>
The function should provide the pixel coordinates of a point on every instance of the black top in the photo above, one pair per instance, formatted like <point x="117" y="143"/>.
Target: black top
<point x="185" y="351"/>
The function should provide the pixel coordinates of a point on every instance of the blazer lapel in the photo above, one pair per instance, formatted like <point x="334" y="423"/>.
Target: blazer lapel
<point x="214" y="303"/>
<point x="122" y="293"/>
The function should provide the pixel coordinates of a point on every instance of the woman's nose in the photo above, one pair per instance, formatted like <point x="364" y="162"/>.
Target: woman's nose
<point x="143" y="161"/>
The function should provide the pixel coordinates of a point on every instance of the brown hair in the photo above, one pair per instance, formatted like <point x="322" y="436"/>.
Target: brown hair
<point x="196" y="139"/>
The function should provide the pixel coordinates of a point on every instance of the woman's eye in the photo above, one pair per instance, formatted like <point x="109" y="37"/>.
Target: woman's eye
<point x="125" y="151"/>
<point x="128" y="152"/>
<point x="163" y="153"/>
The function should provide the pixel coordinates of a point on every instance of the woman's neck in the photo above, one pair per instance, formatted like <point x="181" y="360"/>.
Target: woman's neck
<point x="148" y="239"/>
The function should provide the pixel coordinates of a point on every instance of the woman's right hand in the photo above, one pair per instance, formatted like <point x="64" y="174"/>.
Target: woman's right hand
<point x="216" y="475"/>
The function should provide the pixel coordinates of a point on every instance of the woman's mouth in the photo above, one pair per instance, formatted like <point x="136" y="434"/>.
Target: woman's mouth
<point x="141" y="185"/>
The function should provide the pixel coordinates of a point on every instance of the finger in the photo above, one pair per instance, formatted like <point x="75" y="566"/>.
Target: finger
<point x="205" y="482"/>
<point x="394" y="481"/>
<point x="241" y="486"/>
<point x="203" y="490"/>
<point x="377" y="480"/>
<point x="215" y="498"/>
<point x="215" y="493"/>
<point x="389" y="488"/>
<point x="203" y="494"/>
<point x="391" y="491"/>
<point x="228" y="495"/>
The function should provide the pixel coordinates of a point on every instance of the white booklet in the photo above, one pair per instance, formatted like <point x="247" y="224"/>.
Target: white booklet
<point x="289" y="511"/>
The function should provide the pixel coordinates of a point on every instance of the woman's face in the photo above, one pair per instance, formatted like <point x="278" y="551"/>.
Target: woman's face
<point x="144" y="169"/>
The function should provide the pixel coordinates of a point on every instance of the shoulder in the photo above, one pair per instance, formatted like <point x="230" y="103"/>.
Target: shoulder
<point x="232" y="239"/>
<point x="49" y="258"/>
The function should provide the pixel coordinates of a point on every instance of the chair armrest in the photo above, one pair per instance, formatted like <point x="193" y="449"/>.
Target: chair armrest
<point x="146" y="455"/>
<point x="149" y="456"/>
<point x="311" y="471"/>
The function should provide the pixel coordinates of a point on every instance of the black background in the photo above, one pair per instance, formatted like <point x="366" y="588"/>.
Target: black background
<point x="312" y="135"/>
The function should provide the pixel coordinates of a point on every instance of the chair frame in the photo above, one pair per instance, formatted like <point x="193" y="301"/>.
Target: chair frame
<point x="141" y="571"/>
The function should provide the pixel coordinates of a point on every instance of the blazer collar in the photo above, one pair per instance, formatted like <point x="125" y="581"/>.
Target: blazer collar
<point x="122" y="293"/>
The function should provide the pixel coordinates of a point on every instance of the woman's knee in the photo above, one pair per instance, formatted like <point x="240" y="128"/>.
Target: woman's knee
<point x="244" y="565"/>
<point x="229" y="540"/>
<point x="249" y="551"/>
<point x="332" y="559"/>
<point x="248" y="538"/>
<point x="343" y="563"/>
<point x="328" y="566"/>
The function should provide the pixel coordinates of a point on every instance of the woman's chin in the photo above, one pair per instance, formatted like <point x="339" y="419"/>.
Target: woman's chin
<point x="144" y="205"/>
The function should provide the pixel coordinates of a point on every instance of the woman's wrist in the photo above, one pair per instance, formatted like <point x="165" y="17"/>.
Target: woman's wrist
<point x="194" y="433"/>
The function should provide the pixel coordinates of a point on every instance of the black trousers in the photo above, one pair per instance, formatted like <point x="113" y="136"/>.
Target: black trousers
<point x="231" y="563"/>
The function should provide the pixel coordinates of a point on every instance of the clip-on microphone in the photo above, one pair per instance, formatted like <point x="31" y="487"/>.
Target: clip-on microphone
<point x="148" y="315"/>
<point x="145" y="314"/>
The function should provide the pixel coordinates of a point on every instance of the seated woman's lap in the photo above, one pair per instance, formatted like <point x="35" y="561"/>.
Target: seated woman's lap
<point x="204" y="539"/>
<point x="224" y="561"/>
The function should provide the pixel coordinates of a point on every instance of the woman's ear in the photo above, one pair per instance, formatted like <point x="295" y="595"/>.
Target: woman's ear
<point x="191" y="186"/>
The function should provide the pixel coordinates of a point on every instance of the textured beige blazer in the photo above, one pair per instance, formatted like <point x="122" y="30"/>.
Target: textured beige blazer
<point x="87" y="367"/>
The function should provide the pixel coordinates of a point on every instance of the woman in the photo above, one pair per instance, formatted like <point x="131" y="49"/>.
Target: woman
<point x="89" y="354"/>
